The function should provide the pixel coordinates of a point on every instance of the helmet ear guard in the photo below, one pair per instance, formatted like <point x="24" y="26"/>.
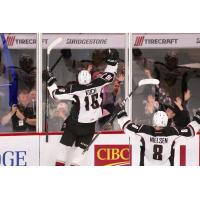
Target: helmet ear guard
<point x="84" y="77"/>
<point x="160" y="119"/>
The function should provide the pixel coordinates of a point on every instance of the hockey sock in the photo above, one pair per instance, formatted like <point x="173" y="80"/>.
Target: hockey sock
<point x="78" y="156"/>
<point x="62" y="154"/>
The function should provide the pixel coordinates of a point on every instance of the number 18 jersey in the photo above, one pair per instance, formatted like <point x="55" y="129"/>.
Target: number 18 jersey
<point x="87" y="99"/>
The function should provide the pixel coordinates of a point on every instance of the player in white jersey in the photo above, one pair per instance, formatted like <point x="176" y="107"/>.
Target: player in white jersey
<point x="86" y="95"/>
<point x="157" y="141"/>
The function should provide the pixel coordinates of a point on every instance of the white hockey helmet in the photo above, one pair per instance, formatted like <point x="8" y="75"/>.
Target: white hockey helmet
<point x="84" y="77"/>
<point x="160" y="119"/>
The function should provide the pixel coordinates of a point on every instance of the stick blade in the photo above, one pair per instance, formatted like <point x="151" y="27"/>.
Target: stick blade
<point x="53" y="44"/>
<point x="149" y="81"/>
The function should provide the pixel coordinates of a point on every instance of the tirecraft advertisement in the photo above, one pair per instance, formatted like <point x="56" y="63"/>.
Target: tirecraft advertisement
<point x="113" y="155"/>
<point x="166" y="40"/>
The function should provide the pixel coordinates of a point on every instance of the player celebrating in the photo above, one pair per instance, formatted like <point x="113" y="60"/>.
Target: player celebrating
<point x="79" y="127"/>
<point x="158" y="140"/>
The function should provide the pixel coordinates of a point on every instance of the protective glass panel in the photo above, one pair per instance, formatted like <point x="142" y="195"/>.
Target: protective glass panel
<point x="174" y="60"/>
<point x="18" y="83"/>
<point x="19" y="144"/>
<point x="77" y="52"/>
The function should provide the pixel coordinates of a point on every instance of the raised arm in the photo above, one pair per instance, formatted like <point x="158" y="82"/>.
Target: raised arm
<point x="125" y="123"/>
<point x="54" y="91"/>
<point x="193" y="127"/>
<point x="111" y="70"/>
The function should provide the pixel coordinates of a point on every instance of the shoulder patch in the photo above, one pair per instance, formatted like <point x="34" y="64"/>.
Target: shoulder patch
<point x="134" y="126"/>
<point x="184" y="130"/>
<point x="61" y="90"/>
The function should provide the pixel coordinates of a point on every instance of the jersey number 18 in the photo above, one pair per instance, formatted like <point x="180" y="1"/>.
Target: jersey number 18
<point x="94" y="102"/>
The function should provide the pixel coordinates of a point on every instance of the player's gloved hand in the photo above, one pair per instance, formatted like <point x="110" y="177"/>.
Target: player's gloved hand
<point x="120" y="110"/>
<point x="112" y="57"/>
<point x="197" y="117"/>
<point x="48" y="77"/>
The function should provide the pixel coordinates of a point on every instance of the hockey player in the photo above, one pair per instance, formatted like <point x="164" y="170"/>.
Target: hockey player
<point x="157" y="141"/>
<point x="86" y="95"/>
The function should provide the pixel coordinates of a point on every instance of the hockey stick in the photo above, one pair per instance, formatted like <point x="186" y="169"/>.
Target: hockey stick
<point x="49" y="49"/>
<point x="55" y="64"/>
<point x="140" y="83"/>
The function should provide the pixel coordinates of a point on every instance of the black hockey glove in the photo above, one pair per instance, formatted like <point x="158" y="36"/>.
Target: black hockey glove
<point x="120" y="111"/>
<point x="48" y="77"/>
<point x="197" y="117"/>
<point x="112" y="57"/>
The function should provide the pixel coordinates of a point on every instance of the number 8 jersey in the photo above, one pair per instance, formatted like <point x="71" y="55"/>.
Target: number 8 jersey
<point x="87" y="99"/>
<point x="157" y="146"/>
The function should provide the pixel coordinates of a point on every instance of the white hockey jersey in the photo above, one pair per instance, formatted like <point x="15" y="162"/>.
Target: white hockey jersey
<point x="87" y="99"/>
<point x="157" y="147"/>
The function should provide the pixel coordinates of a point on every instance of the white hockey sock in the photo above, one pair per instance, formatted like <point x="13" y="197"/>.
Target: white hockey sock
<point x="77" y="156"/>
<point x="62" y="154"/>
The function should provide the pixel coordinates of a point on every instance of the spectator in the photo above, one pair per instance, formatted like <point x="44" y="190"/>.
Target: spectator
<point x="142" y="69"/>
<point x="98" y="59"/>
<point x="173" y="78"/>
<point x="177" y="112"/>
<point x="58" y="116"/>
<point x="1" y="66"/>
<point x="70" y="63"/>
<point x="32" y="100"/>
<point x="22" y="116"/>
<point x="110" y="99"/>
<point x="26" y="73"/>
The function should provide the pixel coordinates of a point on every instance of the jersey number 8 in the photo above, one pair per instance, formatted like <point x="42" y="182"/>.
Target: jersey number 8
<point x="157" y="152"/>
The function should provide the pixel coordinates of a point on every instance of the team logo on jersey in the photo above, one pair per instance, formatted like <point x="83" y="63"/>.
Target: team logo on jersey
<point x="61" y="90"/>
<point x="113" y="155"/>
<point x="134" y="126"/>
<point x="184" y="130"/>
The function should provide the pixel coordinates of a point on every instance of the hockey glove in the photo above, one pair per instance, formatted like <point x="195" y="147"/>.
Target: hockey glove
<point x="49" y="78"/>
<point x="120" y="111"/>
<point x="197" y="117"/>
<point x="112" y="57"/>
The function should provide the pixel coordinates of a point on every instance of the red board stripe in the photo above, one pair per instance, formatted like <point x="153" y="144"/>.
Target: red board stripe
<point x="182" y="155"/>
<point x="50" y="133"/>
<point x="199" y="149"/>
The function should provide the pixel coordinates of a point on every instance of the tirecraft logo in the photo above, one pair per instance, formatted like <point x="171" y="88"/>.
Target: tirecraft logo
<point x="13" y="158"/>
<point x="113" y="155"/>
<point x="10" y="40"/>
<point x="140" y="40"/>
